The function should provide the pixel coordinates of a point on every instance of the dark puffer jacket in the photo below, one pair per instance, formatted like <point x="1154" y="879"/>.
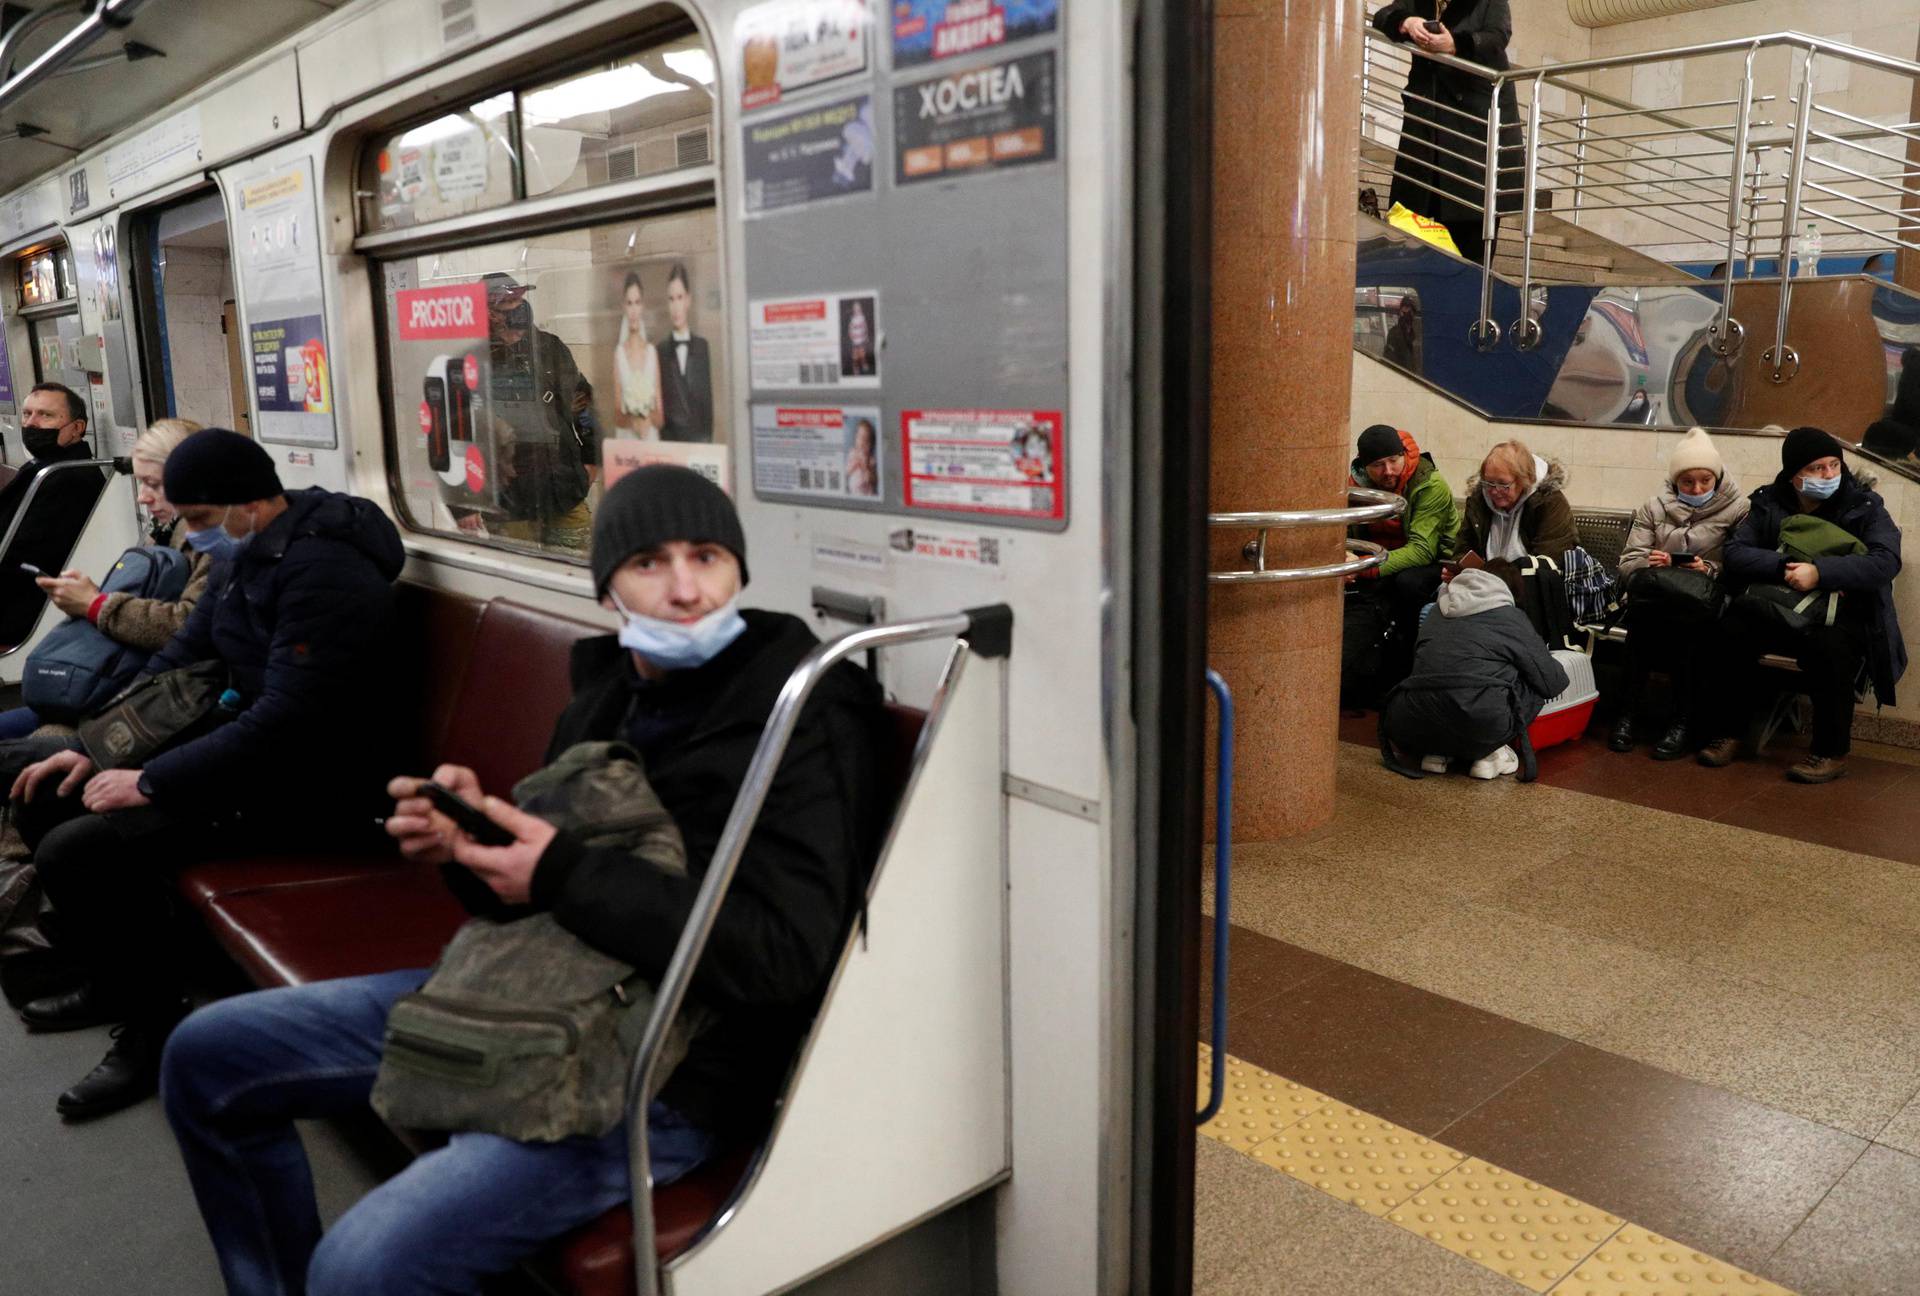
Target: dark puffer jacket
<point x="303" y="620"/>
<point x="799" y="881"/>
<point x="1753" y="555"/>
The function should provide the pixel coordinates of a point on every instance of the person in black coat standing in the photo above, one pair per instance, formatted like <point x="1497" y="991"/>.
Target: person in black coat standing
<point x="1428" y="177"/>
<point x="1814" y="479"/>
<point x="299" y="610"/>
<point x="689" y="683"/>
<point x="686" y="368"/>
<point x="53" y="422"/>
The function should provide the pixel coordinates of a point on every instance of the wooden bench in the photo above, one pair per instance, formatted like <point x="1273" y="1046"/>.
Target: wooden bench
<point x="499" y="678"/>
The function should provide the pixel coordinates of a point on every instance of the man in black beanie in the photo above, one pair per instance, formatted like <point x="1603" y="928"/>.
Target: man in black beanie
<point x="1816" y="557"/>
<point x="688" y="682"/>
<point x="1382" y="608"/>
<point x="299" y="612"/>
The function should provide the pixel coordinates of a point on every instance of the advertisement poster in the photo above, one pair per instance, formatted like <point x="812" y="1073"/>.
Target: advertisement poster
<point x="277" y="245"/>
<point x="946" y="547"/>
<point x="828" y="341"/>
<point x="290" y="366"/>
<point x="6" y="373"/>
<point x="829" y="451"/>
<point x="106" y="272"/>
<point x="791" y="44"/>
<point x="1000" y="115"/>
<point x="441" y="360"/>
<point x="618" y="458"/>
<point x="809" y="155"/>
<point x="925" y="30"/>
<point x="985" y="461"/>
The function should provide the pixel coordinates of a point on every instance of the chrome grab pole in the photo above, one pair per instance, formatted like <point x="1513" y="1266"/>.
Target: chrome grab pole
<point x="26" y="506"/>
<point x="1780" y="355"/>
<point x="1373" y="505"/>
<point x="989" y="630"/>
<point x="1484" y="333"/>
<point x="1725" y="334"/>
<point x="1580" y="161"/>
<point x="1526" y="329"/>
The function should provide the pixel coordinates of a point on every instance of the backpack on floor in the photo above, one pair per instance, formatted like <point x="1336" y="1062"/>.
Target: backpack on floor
<point x="1366" y="625"/>
<point x="76" y="668"/>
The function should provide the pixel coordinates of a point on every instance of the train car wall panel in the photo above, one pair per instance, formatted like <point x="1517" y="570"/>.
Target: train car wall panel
<point x="260" y="109"/>
<point x="30" y="211"/>
<point x="103" y="354"/>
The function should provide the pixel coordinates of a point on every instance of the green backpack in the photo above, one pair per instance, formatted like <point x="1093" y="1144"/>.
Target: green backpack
<point x="1803" y="538"/>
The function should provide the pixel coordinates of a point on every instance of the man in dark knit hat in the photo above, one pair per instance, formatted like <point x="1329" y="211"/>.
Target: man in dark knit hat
<point x="688" y="682"/>
<point x="298" y="610"/>
<point x="1383" y="603"/>
<point x="1817" y="542"/>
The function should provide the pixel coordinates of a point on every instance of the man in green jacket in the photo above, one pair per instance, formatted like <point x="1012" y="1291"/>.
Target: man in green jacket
<point x="1384" y="602"/>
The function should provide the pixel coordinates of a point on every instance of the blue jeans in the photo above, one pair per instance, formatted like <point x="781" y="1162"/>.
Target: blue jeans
<point x="236" y="1074"/>
<point x="18" y="723"/>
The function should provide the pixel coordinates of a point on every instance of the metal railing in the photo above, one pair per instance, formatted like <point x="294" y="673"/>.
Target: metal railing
<point x="988" y="631"/>
<point x="1717" y="180"/>
<point x="40" y="478"/>
<point x="1376" y="504"/>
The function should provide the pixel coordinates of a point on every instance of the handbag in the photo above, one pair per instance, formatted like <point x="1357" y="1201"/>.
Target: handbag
<point x="162" y="711"/>
<point x="523" y="1029"/>
<point x="1677" y="594"/>
<point x="1803" y="538"/>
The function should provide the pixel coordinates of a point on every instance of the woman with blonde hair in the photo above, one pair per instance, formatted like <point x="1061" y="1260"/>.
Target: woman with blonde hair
<point x="144" y="623"/>
<point x="1516" y="506"/>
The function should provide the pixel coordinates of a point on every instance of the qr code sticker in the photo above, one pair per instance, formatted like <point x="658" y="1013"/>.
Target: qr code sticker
<point x="989" y="552"/>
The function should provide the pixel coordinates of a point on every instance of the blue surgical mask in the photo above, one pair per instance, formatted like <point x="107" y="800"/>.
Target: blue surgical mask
<point x="1819" y="487"/>
<point x="1694" y="501"/>
<point x="673" y="646"/>
<point x="214" y="541"/>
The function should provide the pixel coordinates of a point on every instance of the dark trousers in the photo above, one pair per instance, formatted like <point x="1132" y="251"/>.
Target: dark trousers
<point x="1674" y="647"/>
<point x="1467" y="236"/>
<point x="1830" y="659"/>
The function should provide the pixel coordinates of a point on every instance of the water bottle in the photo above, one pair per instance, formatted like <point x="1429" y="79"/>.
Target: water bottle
<point x="1809" y="252"/>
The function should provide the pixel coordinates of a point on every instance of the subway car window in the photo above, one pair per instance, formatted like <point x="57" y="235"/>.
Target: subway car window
<point x="513" y="365"/>
<point x="641" y="115"/>
<point x="454" y="164"/>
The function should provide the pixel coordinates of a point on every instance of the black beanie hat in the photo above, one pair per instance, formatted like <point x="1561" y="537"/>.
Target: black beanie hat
<point x="1802" y="446"/>
<point x="215" y="466"/>
<point x="655" y="504"/>
<point x="1379" y="442"/>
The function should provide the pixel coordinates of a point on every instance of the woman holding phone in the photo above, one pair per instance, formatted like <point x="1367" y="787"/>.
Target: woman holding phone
<point x="1671" y="568"/>
<point x="1442" y="171"/>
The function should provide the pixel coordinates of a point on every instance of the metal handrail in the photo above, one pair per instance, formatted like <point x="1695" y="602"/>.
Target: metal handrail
<point x="988" y="631"/>
<point x="1378" y="504"/>
<point x="1222" y="895"/>
<point x="26" y="504"/>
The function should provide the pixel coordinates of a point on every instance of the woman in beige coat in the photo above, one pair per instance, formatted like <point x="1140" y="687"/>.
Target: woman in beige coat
<point x="1685" y="527"/>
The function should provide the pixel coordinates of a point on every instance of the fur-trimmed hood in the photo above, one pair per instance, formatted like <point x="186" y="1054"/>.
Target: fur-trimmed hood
<point x="1551" y="481"/>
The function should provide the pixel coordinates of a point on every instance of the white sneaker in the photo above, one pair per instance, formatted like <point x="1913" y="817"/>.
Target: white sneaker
<point x="1487" y="767"/>
<point x="1434" y="764"/>
<point x="1507" y="760"/>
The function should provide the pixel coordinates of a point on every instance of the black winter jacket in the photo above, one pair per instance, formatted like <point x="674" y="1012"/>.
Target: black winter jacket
<point x="803" y="873"/>
<point x="303" y="620"/>
<point x="1753" y="556"/>
<point x="46" y="536"/>
<point x="1476" y="682"/>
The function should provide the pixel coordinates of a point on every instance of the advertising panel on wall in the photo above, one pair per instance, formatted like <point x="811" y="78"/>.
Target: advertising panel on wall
<point x="277" y="245"/>
<point x="829" y="340"/>
<point x="1010" y="462"/>
<point x="788" y="45"/>
<point x="925" y="30"/>
<point x="618" y="458"/>
<point x="440" y="344"/>
<point x="802" y="157"/>
<point x="6" y="372"/>
<point x="981" y="119"/>
<point x="827" y="451"/>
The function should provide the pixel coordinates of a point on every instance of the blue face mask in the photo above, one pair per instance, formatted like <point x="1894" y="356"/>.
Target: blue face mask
<point x="1694" y="501"/>
<point x="1819" y="487"/>
<point x="215" y="542"/>
<point x="673" y="646"/>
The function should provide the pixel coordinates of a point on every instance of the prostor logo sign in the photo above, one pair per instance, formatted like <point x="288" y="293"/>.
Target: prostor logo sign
<point x="428" y="314"/>
<point x="989" y="87"/>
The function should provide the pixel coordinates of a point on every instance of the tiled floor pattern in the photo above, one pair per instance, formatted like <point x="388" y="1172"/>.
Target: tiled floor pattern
<point x="1515" y="1228"/>
<point x="1710" y="1030"/>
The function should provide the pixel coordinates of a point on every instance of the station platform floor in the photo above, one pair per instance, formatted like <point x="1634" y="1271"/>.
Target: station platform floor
<point x="1636" y="1028"/>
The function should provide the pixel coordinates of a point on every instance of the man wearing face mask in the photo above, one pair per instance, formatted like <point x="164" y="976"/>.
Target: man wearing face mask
<point x="53" y="422"/>
<point x="1815" y="485"/>
<point x="299" y="609"/>
<point x="689" y="682"/>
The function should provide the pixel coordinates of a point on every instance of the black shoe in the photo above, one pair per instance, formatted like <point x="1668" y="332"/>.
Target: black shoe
<point x="1673" y="744"/>
<point x="73" y="1010"/>
<point x="1621" y="739"/>
<point x="128" y="1074"/>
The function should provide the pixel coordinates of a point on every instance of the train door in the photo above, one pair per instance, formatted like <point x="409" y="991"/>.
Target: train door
<point x="190" y="344"/>
<point x="50" y="309"/>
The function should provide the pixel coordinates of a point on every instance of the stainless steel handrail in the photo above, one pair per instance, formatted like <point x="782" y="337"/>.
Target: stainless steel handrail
<point x="26" y="504"/>
<point x="1378" y="504"/>
<point x="989" y="632"/>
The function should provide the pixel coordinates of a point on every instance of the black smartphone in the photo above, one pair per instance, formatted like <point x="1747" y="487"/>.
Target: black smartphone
<point x="436" y="429"/>
<point x="1681" y="559"/>
<point x="471" y="821"/>
<point x="1434" y="25"/>
<point x="31" y="570"/>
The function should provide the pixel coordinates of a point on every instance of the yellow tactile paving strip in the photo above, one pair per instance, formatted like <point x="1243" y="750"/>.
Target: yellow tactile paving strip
<point x="1538" y="1238"/>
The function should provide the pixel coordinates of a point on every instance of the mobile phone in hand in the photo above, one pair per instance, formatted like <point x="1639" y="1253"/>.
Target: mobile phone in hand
<point x="470" y="821"/>
<point x="1435" y="26"/>
<point x="1681" y="558"/>
<point x="31" y="570"/>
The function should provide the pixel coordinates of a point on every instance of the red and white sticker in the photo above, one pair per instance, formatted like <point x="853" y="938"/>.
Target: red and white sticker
<point x="426" y="420"/>
<point x="476" y="470"/>
<point x="432" y="314"/>
<point x="1009" y="462"/>
<point x="470" y="371"/>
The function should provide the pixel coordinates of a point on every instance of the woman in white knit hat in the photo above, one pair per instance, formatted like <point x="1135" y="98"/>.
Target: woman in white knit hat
<point x="1680" y="530"/>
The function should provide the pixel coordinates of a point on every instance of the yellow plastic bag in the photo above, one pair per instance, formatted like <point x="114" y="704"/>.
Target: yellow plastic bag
<point x="1420" y="227"/>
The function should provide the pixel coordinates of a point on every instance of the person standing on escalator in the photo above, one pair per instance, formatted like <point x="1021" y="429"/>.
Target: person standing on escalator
<point x="1441" y="170"/>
